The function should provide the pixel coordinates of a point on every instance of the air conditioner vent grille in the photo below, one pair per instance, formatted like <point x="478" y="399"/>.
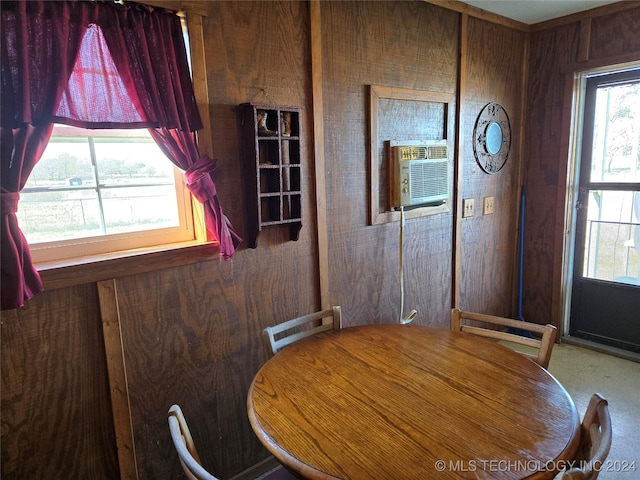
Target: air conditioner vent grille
<point x="428" y="179"/>
<point x="438" y="152"/>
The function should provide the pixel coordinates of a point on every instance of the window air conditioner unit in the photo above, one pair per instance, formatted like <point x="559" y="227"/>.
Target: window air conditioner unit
<point x="419" y="173"/>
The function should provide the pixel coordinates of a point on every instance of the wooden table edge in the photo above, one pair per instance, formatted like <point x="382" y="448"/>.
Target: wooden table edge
<point x="311" y="473"/>
<point x="287" y="460"/>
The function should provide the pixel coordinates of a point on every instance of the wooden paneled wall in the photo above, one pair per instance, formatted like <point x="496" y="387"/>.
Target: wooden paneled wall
<point x="191" y="334"/>
<point x="487" y="244"/>
<point x="397" y="44"/>
<point x="556" y="55"/>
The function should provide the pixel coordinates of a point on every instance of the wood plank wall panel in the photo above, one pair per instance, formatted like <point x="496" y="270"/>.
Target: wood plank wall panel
<point x="403" y="44"/>
<point x="549" y="50"/>
<point x="488" y="242"/>
<point x="193" y="335"/>
<point x="56" y="412"/>
<point x="608" y="39"/>
<point x="257" y="52"/>
<point x="554" y="53"/>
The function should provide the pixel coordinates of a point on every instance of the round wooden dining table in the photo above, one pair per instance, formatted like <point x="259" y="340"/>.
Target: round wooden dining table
<point x="410" y="402"/>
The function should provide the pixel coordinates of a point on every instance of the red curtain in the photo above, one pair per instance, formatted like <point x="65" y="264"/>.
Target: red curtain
<point x="93" y="65"/>
<point x="182" y="150"/>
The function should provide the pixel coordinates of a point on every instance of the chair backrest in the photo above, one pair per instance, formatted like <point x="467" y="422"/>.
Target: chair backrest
<point x="542" y="336"/>
<point x="595" y="441"/>
<point x="275" y="341"/>
<point x="185" y="447"/>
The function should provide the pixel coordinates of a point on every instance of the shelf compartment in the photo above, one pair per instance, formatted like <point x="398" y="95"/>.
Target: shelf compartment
<point x="274" y="168"/>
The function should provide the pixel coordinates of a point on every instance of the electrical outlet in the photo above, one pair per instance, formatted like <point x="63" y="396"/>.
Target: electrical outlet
<point x="487" y="207"/>
<point x="467" y="207"/>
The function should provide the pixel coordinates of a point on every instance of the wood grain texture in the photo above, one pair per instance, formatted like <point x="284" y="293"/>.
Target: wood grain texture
<point x="543" y="140"/>
<point x="601" y="11"/>
<point x="471" y="11"/>
<point x="113" y="266"/>
<point x="458" y="170"/>
<point x="194" y="337"/>
<point x="109" y="313"/>
<point x="403" y="114"/>
<point x="56" y="413"/>
<point x="191" y="325"/>
<point x="268" y="62"/>
<point x="372" y="402"/>
<point x="189" y="6"/>
<point x="488" y="243"/>
<point x="554" y="57"/>
<point x="403" y="45"/>
<point x="615" y="33"/>
<point x="319" y="163"/>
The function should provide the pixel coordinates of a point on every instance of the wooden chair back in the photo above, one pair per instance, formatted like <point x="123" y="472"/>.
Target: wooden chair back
<point x="542" y="336"/>
<point x="286" y="333"/>
<point x="185" y="447"/>
<point x="595" y="441"/>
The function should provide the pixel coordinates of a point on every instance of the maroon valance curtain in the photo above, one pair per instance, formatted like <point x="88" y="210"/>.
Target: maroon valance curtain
<point x="91" y="64"/>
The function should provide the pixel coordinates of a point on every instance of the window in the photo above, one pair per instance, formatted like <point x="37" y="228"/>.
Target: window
<point x="609" y="179"/>
<point x="100" y="191"/>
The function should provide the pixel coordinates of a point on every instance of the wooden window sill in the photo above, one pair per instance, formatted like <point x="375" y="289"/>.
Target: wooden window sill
<point x="78" y="271"/>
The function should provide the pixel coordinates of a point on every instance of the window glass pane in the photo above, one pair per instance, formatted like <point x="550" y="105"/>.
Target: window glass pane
<point x="616" y="135"/>
<point x="102" y="186"/>
<point x="140" y="208"/>
<point x="612" y="246"/>
<point x="63" y="215"/>
<point x="133" y="161"/>
<point x="64" y="163"/>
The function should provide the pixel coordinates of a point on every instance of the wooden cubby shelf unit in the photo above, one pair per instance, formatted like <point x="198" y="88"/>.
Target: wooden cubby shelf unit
<point x="273" y="166"/>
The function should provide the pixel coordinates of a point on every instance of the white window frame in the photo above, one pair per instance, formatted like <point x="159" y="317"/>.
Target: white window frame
<point x="43" y="253"/>
<point x="78" y="248"/>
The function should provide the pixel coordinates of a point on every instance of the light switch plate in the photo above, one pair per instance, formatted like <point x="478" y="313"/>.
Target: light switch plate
<point x="487" y="206"/>
<point x="467" y="207"/>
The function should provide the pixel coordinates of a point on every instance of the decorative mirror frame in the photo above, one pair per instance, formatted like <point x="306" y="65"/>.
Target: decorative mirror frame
<point x="492" y="138"/>
<point x="378" y="216"/>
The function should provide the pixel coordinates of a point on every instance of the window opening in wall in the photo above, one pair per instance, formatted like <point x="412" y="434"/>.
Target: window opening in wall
<point x="103" y="191"/>
<point x="97" y="191"/>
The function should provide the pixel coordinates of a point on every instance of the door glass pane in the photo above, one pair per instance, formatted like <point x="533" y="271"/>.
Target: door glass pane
<point x="612" y="244"/>
<point x="616" y="134"/>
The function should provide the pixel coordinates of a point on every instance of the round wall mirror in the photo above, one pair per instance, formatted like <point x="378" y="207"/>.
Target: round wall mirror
<point x="493" y="142"/>
<point x="492" y="138"/>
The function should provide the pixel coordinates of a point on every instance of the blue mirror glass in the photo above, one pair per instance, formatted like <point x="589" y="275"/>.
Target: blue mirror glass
<point x="493" y="142"/>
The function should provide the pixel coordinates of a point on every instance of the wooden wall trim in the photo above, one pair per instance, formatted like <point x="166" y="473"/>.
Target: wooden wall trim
<point x="476" y="12"/>
<point x="201" y="92"/>
<point x="197" y="7"/>
<point x="315" y="19"/>
<point x="630" y="58"/>
<point x="585" y="40"/>
<point x="562" y="275"/>
<point x="199" y="74"/>
<point x="578" y="17"/>
<point x="456" y="270"/>
<point x="376" y="92"/>
<point x="520" y="175"/>
<point x="120" y="406"/>
<point x="107" y="267"/>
